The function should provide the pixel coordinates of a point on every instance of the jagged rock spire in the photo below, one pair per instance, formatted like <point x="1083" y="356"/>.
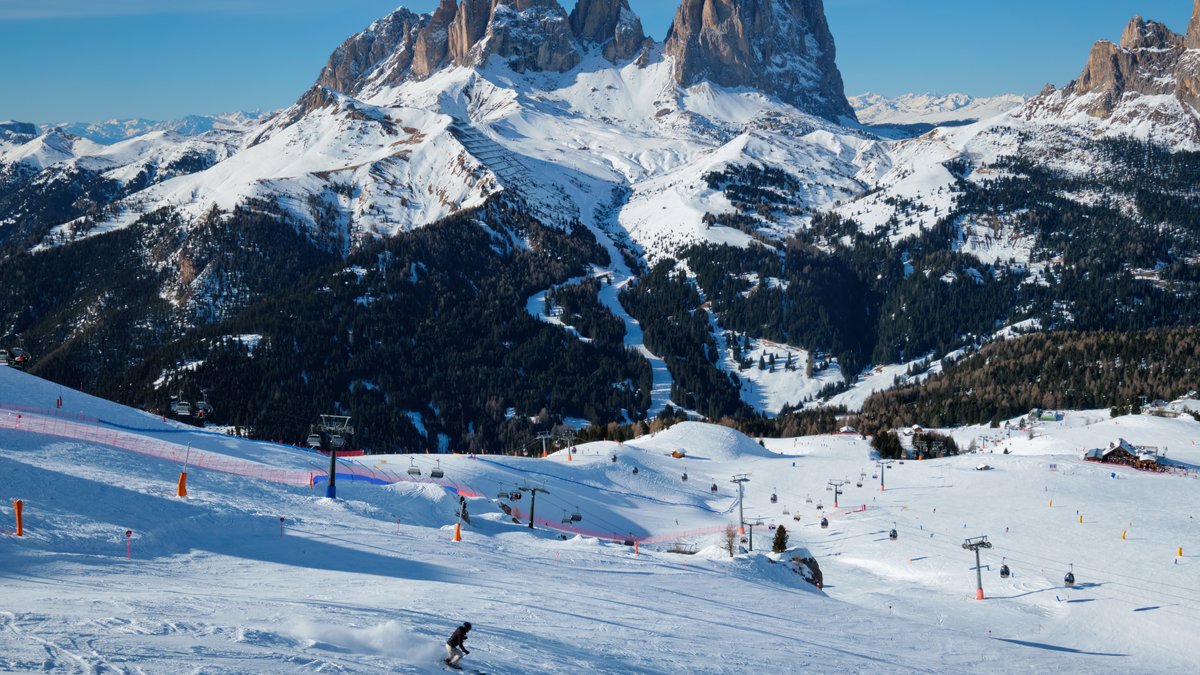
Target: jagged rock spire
<point x="1192" y="39"/>
<point x="610" y="23"/>
<point x="782" y="47"/>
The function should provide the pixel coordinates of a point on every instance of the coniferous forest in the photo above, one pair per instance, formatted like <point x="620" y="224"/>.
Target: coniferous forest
<point x="424" y="340"/>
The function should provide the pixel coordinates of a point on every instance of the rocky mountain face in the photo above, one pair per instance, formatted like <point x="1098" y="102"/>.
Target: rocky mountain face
<point x="1152" y="75"/>
<point x="610" y="23"/>
<point x="529" y="35"/>
<point x="782" y="47"/>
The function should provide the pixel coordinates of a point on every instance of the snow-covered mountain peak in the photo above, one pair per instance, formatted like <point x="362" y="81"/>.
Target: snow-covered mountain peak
<point x="1147" y="86"/>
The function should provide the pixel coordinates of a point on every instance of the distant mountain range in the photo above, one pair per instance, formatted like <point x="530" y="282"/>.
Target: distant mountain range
<point x="115" y="131"/>
<point x="931" y="109"/>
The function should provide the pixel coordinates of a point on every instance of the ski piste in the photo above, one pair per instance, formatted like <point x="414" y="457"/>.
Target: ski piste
<point x="217" y="580"/>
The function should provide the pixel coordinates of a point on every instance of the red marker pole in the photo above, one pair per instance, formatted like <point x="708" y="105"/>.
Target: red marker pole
<point x="129" y="544"/>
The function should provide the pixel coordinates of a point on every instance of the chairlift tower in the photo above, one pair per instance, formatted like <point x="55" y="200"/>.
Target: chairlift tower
<point x="974" y="544"/>
<point x="741" y="479"/>
<point x="336" y="428"/>
<point x="883" y="465"/>
<point x="836" y="487"/>
<point x="545" y="437"/>
<point x="533" y="491"/>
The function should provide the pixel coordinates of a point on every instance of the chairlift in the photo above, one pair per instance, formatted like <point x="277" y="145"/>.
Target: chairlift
<point x="502" y="494"/>
<point x="437" y="471"/>
<point x="824" y="523"/>
<point x="614" y="459"/>
<point x="808" y="499"/>
<point x="1069" y="580"/>
<point x="1004" y="571"/>
<point x="566" y="518"/>
<point x="685" y="476"/>
<point x="336" y="441"/>
<point x="874" y="476"/>
<point x="182" y="408"/>
<point x="15" y="357"/>
<point x="576" y="516"/>
<point x="635" y="471"/>
<point x="413" y="469"/>
<point x="515" y="496"/>
<point x="893" y="535"/>
<point x="820" y="506"/>
<point x="714" y="488"/>
<point x="774" y="498"/>
<point x="858" y="484"/>
<point x="314" y="440"/>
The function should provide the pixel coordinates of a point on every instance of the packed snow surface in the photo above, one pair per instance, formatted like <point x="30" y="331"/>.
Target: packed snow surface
<point x="372" y="582"/>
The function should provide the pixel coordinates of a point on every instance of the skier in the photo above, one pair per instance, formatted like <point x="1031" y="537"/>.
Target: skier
<point x="455" y="649"/>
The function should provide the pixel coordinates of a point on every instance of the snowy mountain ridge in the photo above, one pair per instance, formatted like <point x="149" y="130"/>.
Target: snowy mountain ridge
<point x="114" y="131"/>
<point x="933" y="109"/>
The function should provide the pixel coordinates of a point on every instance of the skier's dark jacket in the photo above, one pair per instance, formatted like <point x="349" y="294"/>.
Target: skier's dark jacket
<point x="457" y="637"/>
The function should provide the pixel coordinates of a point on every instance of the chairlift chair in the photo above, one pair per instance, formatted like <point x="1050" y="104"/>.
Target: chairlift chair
<point x="893" y="535"/>
<point x="1004" y="571"/>
<point x="183" y="409"/>
<point x="437" y="471"/>
<point x="714" y="488"/>
<point x="502" y="494"/>
<point x="336" y="441"/>
<point x="774" y="498"/>
<point x="685" y="476"/>
<point x="413" y="469"/>
<point x="15" y="357"/>
<point x="858" y="484"/>
<point x="820" y="506"/>
<point x="314" y="440"/>
<point x="635" y="471"/>
<point x="576" y="516"/>
<point x="1069" y="580"/>
<point x="824" y="523"/>
<point x="566" y="518"/>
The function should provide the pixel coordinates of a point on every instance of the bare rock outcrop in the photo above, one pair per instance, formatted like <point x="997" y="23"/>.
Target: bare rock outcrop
<point x="781" y="47"/>
<point x="611" y="24"/>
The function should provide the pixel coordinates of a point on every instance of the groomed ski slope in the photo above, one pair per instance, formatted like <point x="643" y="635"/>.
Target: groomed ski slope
<point x="373" y="582"/>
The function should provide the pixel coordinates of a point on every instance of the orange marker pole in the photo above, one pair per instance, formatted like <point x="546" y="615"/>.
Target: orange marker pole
<point x="458" y="532"/>
<point x="19" y="507"/>
<point x="635" y="547"/>
<point x="181" y="490"/>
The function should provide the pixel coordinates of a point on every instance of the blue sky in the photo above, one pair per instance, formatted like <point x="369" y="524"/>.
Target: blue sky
<point x="82" y="60"/>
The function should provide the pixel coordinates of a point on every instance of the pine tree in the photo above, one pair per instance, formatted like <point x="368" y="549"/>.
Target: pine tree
<point x="781" y="540"/>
